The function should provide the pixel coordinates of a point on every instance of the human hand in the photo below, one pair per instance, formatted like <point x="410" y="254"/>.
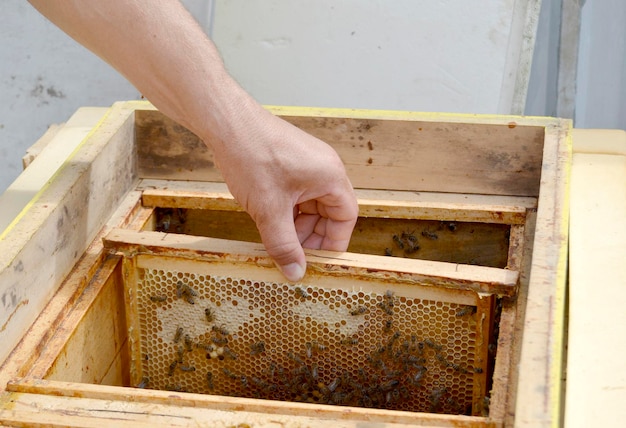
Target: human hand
<point x="293" y="185"/>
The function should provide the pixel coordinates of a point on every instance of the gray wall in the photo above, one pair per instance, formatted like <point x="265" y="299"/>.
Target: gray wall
<point x="45" y="76"/>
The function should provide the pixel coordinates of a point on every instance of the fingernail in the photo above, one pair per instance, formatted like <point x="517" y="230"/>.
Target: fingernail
<point x="293" y="272"/>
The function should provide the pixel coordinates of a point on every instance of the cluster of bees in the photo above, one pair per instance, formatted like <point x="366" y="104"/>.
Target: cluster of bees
<point x="395" y="371"/>
<point x="408" y="242"/>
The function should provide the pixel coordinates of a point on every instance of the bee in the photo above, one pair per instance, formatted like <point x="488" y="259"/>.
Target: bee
<point x="301" y="293"/>
<point x="179" y="352"/>
<point x="158" y="298"/>
<point x="430" y="235"/>
<point x="485" y="406"/>
<point x="184" y="290"/>
<point x="416" y="379"/>
<point x="350" y="341"/>
<point x="407" y="241"/>
<point x="442" y="360"/>
<point x="209" y="314"/>
<point x="261" y="384"/>
<point x="358" y="311"/>
<point x="144" y="382"/>
<point x="188" y="343"/>
<point x="340" y="398"/>
<point x="172" y="368"/>
<point x="433" y="345"/>
<point x="190" y="291"/>
<point x="177" y="387"/>
<point x="257" y="348"/>
<point x="385" y="308"/>
<point x="230" y="374"/>
<point x="399" y="242"/>
<point x="180" y="289"/>
<point x="164" y="224"/>
<point x="465" y="310"/>
<point x="244" y="381"/>
<point x="388" y="326"/>
<point x="209" y="379"/>
<point x="477" y="370"/>
<point x="435" y="398"/>
<point x="314" y="372"/>
<point x="393" y="338"/>
<point x="388" y="252"/>
<point x="178" y="335"/>
<point x="220" y="330"/>
<point x="187" y="368"/>
<point x="293" y="357"/>
<point x="458" y="368"/>
<point x="230" y="354"/>
<point x="205" y="346"/>
<point x="334" y="384"/>
<point x="392" y="396"/>
<point x="219" y="340"/>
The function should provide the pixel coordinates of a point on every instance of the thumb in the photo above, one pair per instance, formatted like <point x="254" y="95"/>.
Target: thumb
<point x="278" y="233"/>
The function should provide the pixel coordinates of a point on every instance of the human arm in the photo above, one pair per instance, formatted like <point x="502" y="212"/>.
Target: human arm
<point x="293" y="185"/>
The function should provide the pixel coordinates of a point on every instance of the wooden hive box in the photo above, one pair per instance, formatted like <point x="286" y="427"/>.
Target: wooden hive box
<point x="135" y="291"/>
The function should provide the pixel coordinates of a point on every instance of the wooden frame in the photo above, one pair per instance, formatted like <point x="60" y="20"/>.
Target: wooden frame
<point x="505" y="181"/>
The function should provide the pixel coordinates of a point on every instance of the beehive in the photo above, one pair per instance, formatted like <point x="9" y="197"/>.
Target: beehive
<point x="388" y="335"/>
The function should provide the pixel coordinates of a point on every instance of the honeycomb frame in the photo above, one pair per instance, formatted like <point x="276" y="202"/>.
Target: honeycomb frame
<point x="332" y="339"/>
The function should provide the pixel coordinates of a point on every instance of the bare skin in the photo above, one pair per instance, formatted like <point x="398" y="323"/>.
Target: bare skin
<point x="293" y="185"/>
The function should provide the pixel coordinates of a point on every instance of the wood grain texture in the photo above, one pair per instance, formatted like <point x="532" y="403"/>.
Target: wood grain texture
<point x="471" y="154"/>
<point x="423" y="272"/>
<point x="34" y="348"/>
<point x="100" y="405"/>
<point x="41" y="247"/>
<point x="539" y="395"/>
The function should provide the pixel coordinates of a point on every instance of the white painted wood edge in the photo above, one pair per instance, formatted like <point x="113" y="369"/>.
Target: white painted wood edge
<point x="47" y="163"/>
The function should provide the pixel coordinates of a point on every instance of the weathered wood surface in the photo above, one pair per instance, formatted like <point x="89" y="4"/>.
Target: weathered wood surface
<point x="539" y="395"/>
<point x="372" y="203"/>
<point x="101" y="405"/>
<point x="34" y="350"/>
<point x="55" y="146"/>
<point x="92" y="339"/>
<point x="428" y="152"/>
<point x="43" y="244"/>
<point x="535" y="370"/>
<point x="475" y="230"/>
<point x="443" y="275"/>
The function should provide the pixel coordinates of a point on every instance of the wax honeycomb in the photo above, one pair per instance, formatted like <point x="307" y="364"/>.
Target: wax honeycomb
<point x="344" y="342"/>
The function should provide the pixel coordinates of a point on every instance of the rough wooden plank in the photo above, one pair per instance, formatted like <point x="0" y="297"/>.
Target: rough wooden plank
<point x="539" y="394"/>
<point x="35" y="341"/>
<point x="459" y="154"/>
<point x="92" y="335"/>
<point x="125" y="406"/>
<point x="40" y="248"/>
<point x="476" y="231"/>
<point x="55" y="152"/>
<point x="475" y="278"/>
<point x="372" y="203"/>
<point x="33" y="151"/>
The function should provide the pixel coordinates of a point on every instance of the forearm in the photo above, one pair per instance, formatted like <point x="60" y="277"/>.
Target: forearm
<point x="182" y="73"/>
